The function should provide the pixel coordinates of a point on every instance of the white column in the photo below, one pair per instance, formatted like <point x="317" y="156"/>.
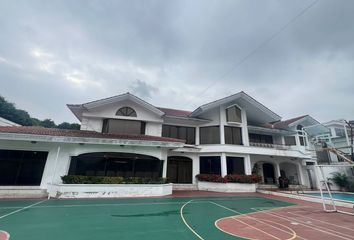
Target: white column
<point x="164" y="168"/>
<point x="222" y="121"/>
<point x="164" y="156"/>
<point x="223" y="165"/>
<point x="297" y="140"/>
<point x="244" y="125"/>
<point x="197" y="142"/>
<point x="196" y="167"/>
<point x="247" y="164"/>
<point x="300" y="174"/>
<point x="277" y="170"/>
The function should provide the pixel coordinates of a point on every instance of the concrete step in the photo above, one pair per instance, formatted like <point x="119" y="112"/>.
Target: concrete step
<point x="179" y="187"/>
<point x="267" y="186"/>
<point x="13" y="192"/>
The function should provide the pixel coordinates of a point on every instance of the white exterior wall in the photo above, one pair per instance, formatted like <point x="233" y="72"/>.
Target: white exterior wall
<point x="93" y="119"/>
<point x="57" y="167"/>
<point x="109" y="111"/>
<point x="92" y="124"/>
<point x="153" y="129"/>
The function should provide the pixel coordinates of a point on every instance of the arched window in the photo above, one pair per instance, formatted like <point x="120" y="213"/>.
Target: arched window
<point x="126" y="112"/>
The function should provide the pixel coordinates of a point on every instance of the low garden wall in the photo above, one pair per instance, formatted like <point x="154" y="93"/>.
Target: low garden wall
<point x="229" y="183"/>
<point x="108" y="190"/>
<point x="227" y="187"/>
<point x="75" y="186"/>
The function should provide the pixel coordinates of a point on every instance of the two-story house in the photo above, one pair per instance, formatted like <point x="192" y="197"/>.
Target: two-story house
<point x="126" y="136"/>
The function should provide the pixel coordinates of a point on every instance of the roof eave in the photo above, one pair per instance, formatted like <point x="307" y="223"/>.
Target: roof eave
<point x="233" y="97"/>
<point x="76" y="110"/>
<point x="86" y="140"/>
<point x="122" y="97"/>
<point x="188" y="118"/>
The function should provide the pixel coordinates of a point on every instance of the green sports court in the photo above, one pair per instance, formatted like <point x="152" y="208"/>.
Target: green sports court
<point x="130" y="219"/>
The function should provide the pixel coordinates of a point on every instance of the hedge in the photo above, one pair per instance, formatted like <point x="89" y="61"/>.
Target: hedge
<point x="79" y="179"/>
<point x="231" y="178"/>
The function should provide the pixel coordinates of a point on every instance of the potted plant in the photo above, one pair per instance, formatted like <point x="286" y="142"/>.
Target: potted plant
<point x="341" y="180"/>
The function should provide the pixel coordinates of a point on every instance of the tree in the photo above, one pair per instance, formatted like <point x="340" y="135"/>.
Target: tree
<point x="66" y="125"/>
<point x="10" y="112"/>
<point x="48" y="123"/>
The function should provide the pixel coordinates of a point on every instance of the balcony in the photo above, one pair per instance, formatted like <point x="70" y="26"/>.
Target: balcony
<point x="269" y="145"/>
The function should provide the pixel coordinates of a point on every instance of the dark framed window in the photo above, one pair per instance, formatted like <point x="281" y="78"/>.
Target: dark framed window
<point x="261" y="138"/>
<point x="302" y="140"/>
<point x="290" y="140"/>
<point x="340" y="132"/>
<point x="235" y="165"/>
<point x="179" y="132"/>
<point x="209" y="135"/>
<point x="21" y="168"/>
<point x="233" y="114"/>
<point x="210" y="165"/>
<point x="126" y="112"/>
<point x="119" y="126"/>
<point x="233" y="135"/>
<point x="116" y="164"/>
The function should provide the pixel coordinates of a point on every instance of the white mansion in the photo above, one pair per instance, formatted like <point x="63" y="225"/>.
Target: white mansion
<point x="126" y="136"/>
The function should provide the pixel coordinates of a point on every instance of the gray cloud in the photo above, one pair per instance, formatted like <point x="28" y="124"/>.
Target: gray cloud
<point x="143" y="89"/>
<point x="58" y="52"/>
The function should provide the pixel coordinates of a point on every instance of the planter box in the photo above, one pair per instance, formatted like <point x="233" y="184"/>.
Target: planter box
<point x="227" y="187"/>
<point x="108" y="190"/>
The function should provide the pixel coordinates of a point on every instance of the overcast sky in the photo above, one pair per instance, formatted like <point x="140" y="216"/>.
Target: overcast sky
<point x="168" y="52"/>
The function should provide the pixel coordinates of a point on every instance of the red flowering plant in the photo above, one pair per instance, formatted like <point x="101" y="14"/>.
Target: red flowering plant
<point x="209" y="178"/>
<point x="238" y="178"/>
<point x="231" y="178"/>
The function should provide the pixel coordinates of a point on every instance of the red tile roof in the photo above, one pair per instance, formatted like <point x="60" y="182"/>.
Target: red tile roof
<point x="175" y="112"/>
<point x="81" y="133"/>
<point x="285" y="124"/>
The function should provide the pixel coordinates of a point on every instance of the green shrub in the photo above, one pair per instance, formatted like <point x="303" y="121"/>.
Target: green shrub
<point x="78" y="179"/>
<point x="341" y="179"/>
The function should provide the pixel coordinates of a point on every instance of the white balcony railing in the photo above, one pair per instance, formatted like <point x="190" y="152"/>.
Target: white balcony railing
<point x="269" y="145"/>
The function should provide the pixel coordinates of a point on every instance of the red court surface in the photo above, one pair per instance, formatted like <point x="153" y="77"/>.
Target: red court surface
<point x="4" y="235"/>
<point x="306" y="220"/>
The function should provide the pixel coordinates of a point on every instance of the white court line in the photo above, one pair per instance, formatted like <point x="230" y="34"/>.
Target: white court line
<point x="247" y="215"/>
<point x="320" y="227"/>
<point x="100" y="205"/>
<point x="199" y="200"/>
<point x="336" y="234"/>
<point x="258" y="229"/>
<point x="336" y="225"/>
<point x="185" y="222"/>
<point x="263" y="220"/>
<point x="19" y="210"/>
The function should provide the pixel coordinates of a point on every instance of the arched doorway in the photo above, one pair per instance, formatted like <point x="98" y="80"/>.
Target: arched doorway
<point x="116" y="164"/>
<point x="179" y="169"/>
<point x="268" y="173"/>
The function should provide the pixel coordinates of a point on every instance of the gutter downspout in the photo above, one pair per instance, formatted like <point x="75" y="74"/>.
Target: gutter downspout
<point x="55" y="169"/>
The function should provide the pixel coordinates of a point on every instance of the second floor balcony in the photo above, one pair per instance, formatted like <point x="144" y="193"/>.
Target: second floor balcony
<point x="270" y="145"/>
